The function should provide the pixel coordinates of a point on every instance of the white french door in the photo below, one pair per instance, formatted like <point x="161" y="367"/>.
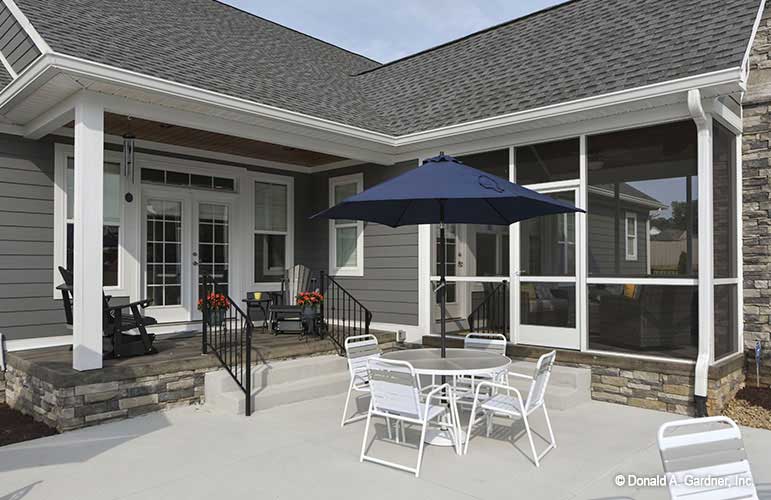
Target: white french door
<point x="186" y="233"/>
<point x="547" y="302"/>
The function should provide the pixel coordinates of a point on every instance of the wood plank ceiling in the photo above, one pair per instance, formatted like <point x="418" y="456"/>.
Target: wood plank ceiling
<point x="211" y="141"/>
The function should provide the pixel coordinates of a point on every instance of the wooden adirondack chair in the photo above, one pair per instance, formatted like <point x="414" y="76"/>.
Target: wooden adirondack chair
<point x="286" y="317"/>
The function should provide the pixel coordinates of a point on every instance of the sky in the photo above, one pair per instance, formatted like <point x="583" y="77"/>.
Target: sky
<point x="385" y="30"/>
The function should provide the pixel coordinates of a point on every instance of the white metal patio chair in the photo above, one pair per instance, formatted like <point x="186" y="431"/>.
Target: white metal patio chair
<point x="486" y="342"/>
<point x="704" y="458"/>
<point x="359" y="349"/>
<point x="513" y="405"/>
<point x="396" y="395"/>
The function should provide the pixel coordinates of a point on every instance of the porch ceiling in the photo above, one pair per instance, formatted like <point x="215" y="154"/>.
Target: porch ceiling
<point x="176" y="135"/>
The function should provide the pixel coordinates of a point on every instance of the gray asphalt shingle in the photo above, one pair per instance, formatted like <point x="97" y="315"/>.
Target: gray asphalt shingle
<point x="580" y="49"/>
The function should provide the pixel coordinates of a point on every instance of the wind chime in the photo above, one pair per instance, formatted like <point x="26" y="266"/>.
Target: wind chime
<point x="128" y="159"/>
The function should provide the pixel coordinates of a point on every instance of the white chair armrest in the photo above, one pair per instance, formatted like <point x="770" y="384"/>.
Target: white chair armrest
<point x="520" y="375"/>
<point x="498" y="386"/>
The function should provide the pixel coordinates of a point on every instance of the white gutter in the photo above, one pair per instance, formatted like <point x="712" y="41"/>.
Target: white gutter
<point x="706" y="306"/>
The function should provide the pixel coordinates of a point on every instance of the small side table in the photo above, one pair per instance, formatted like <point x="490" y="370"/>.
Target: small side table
<point x="263" y="304"/>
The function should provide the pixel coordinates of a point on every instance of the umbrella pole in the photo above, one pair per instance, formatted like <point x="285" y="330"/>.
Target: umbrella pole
<point x="442" y="279"/>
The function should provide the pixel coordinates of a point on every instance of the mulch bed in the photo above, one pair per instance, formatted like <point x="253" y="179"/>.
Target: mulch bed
<point x="751" y="407"/>
<point x="16" y="427"/>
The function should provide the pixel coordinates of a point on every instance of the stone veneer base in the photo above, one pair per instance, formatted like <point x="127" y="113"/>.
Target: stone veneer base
<point x="654" y="384"/>
<point x="73" y="407"/>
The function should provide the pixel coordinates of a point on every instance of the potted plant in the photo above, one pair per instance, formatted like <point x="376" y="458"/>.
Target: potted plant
<point x="217" y="305"/>
<point x="310" y="302"/>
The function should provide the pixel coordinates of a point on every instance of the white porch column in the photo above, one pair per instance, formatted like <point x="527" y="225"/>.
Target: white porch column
<point x="88" y="208"/>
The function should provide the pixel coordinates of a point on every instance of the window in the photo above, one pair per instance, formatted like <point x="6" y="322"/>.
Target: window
<point x="642" y="228"/>
<point x="112" y="221"/>
<point x="547" y="162"/>
<point x="651" y="173"/>
<point x="631" y="236"/>
<point x="271" y="229"/>
<point x="183" y="179"/>
<point x="346" y="239"/>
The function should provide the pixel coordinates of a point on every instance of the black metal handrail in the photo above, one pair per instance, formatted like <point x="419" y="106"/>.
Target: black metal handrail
<point x="492" y="314"/>
<point x="342" y="314"/>
<point x="228" y="333"/>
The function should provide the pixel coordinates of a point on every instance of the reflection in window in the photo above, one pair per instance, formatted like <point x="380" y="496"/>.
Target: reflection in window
<point x="547" y="162"/>
<point x="112" y="220"/>
<point x="270" y="231"/>
<point x="647" y="174"/>
<point x="659" y="320"/>
<point x="548" y="304"/>
<point x="724" y="202"/>
<point x="548" y="244"/>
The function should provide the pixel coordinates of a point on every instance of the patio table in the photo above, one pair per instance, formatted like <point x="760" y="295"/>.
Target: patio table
<point x="458" y="362"/>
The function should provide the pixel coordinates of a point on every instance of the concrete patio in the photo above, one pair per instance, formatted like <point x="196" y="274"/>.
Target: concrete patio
<point x="299" y="451"/>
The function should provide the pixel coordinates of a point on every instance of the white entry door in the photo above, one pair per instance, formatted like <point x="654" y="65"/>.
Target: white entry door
<point x="548" y="303"/>
<point x="186" y="233"/>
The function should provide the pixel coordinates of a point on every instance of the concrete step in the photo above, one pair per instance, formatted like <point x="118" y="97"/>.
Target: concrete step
<point x="272" y="395"/>
<point x="277" y="383"/>
<point x="568" y="386"/>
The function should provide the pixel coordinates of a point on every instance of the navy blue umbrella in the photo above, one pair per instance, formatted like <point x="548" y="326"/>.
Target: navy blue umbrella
<point x="445" y="191"/>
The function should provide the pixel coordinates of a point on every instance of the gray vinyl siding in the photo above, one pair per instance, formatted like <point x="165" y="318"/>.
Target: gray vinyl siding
<point x="389" y="287"/>
<point x="15" y="44"/>
<point x="27" y="307"/>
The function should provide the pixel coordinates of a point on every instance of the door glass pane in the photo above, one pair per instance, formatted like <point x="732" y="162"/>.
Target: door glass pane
<point x="213" y="244"/>
<point x="548" y="304"/>
<point x="548" y="244"/>
<point x="164" y="252"/>
<point x="450" y="236"/>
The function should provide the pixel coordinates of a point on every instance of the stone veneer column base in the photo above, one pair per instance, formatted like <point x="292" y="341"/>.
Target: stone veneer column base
<point x="73" y="407"/>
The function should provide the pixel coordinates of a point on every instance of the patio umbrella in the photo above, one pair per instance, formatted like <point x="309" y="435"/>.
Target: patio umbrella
<point x="445" y="191"/>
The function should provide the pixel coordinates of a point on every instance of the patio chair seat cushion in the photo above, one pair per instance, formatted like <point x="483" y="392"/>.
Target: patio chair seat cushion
<point x="503" y="403"/>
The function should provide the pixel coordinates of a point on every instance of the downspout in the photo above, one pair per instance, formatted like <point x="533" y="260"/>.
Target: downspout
<point x="704" y="158"/>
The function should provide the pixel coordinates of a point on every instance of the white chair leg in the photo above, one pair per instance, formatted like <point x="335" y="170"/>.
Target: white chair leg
<point x="530" y="438"/>
<point x="366" y="433"/>
<point x="401" y="424"/>
<point x="347" y="401"/>
<point x="489" y="429"/>
<point x="471" y="422"/>
<point x="420" y="448"/>
<point x="388" y="426"/>
<point x="548" y="426"/>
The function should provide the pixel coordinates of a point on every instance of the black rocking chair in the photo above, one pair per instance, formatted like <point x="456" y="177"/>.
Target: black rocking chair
<point x="287" y="316"/>
<point x="115" y="323"/>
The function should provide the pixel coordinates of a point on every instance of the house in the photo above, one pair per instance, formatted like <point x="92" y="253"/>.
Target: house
<point x="241" y="129"/>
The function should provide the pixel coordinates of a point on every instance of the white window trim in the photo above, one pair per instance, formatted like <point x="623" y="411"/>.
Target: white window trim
<point x="630" y="256"/>
<point x="288" y="234"/>
<point x="61" y="153"/>
<point x="358" y="270"/>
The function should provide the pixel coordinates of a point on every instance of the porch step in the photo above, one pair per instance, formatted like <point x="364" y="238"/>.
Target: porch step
<point x="279" y="383"/>
<point x="568" y="386"/>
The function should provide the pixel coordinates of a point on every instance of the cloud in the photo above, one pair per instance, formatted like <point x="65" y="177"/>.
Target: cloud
<point x="390" y="29"/>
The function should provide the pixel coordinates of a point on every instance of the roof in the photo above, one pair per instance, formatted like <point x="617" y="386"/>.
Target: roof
<point x="578" y="49"/>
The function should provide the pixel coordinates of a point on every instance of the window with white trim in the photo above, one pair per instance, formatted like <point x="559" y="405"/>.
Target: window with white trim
<point x="112" y="221"/>
<point x="631" y="236"/>
<point x="346" y="237"/>
<point x="271" y="228"/>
